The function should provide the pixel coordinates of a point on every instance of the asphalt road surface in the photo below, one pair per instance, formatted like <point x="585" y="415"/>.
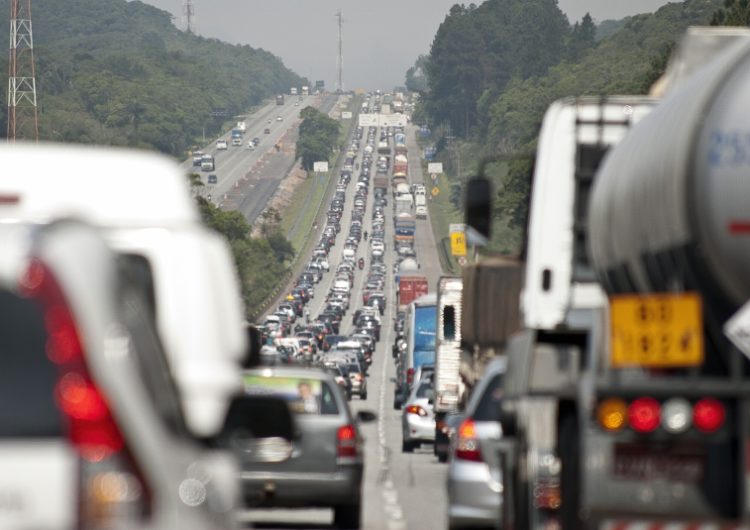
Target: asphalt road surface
<point x="400" y="490"/>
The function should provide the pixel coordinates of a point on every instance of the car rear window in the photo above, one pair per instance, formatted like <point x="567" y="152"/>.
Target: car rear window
<point x="426" y="390"/>
<point x="27" y="377"/>
<point x="489" y="404"/>
<point x="305" y="396"/>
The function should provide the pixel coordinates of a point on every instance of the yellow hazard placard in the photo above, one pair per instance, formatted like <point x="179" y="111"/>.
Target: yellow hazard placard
<point x="435" y="191"/>
<point x="656" y="331"/>
<point x="458" y="243"/>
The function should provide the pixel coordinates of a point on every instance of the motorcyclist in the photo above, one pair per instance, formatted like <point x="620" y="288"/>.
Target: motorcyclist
<point x="361" y="263"/>
<point x="365" y="234"/>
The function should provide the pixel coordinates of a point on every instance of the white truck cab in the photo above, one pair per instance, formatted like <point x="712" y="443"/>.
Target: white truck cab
<point x="143" y="206"/>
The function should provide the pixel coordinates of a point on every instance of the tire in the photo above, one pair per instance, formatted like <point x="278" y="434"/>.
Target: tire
<point x="407" y="447"/>
<point x="363" y="396"/>
<point x="348" y="517"/>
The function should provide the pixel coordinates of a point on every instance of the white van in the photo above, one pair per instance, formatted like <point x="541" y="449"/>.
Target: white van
<point x="142" y="203"/>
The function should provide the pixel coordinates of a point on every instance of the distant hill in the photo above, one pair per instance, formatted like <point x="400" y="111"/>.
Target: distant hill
<point x="607" y="28"/>
<point x="117" y="72"/>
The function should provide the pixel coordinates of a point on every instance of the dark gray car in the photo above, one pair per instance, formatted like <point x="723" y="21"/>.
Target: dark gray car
<point x="324" y="465"/>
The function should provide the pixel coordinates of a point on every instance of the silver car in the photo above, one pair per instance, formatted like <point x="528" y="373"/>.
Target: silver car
<point x="87" y="403"/>
<point x="418" y="416"/>
<point x="323" y="466"/>
<point x="474" y="481"/>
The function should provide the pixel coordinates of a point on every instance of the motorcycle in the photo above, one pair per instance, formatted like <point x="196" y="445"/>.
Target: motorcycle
<point x="361" y="263"/>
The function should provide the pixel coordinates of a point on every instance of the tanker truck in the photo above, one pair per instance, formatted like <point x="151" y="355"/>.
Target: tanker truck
<point x="627" y="396"/>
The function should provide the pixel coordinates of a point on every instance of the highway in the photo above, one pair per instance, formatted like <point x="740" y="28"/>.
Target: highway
<point x="400" y="491"/>
<point x="246" y="179"/>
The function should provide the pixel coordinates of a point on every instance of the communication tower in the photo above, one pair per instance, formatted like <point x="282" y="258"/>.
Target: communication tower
<point x="23" y="119"/>
<point x="340" y="58"/>
<point x="188" y="11"/>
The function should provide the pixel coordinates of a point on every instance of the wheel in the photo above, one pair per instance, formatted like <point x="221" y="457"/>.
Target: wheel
<point x="363" y="396"/>
<point x="407" y="447"/>
<point x="442" y="457"/>
<point x="347" y="516"/>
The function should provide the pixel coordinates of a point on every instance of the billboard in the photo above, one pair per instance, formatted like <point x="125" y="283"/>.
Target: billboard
<point x="320" y="167"/>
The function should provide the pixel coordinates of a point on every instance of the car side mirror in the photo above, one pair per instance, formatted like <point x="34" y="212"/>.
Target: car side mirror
<point x="478" y="205"/>
<point x="366" y="416"/>
<point x="508" y="421"/>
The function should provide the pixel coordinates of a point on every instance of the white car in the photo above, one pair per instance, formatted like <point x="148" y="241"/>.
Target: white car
<point x="279" y="118"/>
<point x="421" y="212"/>
<point x="251" y="145"/>
<point x="221" y="145"/>
<point x="376" y="244"/>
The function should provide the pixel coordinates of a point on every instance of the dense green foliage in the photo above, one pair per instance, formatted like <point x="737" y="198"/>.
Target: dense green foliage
<point x="261" y="262"/>
<point x="117" y="72"/>
<point x="503" y="118"/>
<point x="734" y="13"/>
<point x="318" y="136"/>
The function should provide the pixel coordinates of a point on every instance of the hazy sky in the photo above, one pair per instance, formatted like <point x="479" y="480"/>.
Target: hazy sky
<point x="381" y="38"/>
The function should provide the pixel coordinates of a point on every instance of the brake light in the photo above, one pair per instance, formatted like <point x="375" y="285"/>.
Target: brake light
<point x="112" y="487"/>
<point x="347" y="445"/>
<point x="416" y="409"/>
<point x="467" y="444"/>
<point x="644" y="415"/>
<point x="708" y="415"/>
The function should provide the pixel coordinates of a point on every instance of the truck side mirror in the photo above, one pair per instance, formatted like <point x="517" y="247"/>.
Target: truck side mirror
<point x="254" y="344"/>
<point x="479" y="198"/>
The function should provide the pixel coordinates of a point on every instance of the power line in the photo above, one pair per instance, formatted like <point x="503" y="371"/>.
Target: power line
<point x="23" y="118"/>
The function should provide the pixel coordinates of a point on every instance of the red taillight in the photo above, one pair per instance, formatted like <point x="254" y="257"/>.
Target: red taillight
<point x="347" y="444"/>
<point x="467" y="443"/>
<point x="416" y="409"/>
<point x="112" y="487"/>
<point x="92" y="429"/>
<point x="708" y="415"/>
<point x="644" y="415"/>
<point x="410" y="375"/>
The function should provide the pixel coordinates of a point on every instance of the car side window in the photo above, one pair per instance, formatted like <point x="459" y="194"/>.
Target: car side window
<point x="489" y="404"/>
<point x="328" y="405"/>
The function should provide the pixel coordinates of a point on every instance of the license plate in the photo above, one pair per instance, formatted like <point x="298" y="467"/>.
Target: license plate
<point x="644" y="464"/>
<point x="656" y="331"/>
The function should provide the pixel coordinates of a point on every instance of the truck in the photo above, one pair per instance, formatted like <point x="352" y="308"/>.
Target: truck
<point x="404" y="228"/>
<point x="237" y="133"/>
<point x="242" y="126"/>
<point x="560" y="302"/>
<point x="447" y="379"/>
<point x="400" y="165"/>
<point x="411" y="287"/>
<point x="279" y="99"/>
<point x="207" y="163"/>
<point x="380" y="182"/>
<point x="305" y="90"/>
<point x="403" y="204"/>
<point x="293" y="91"/>
<point x="625" y="403"/>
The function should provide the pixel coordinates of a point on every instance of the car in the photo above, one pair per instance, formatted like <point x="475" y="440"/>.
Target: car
<point x="473" y="466"/>
<point x="256" y="141"/>
<point x="418" y="417"/>
<point x="221" y="145"/>
<point x="266" y="131"/>
<point x="324" y="464"/>
<point x="213" y="179"/>
<point x="269" y="121"/>
<point x="88" y="399"/>
<point x="279" y="118"/>
<point x="251" y="145"/>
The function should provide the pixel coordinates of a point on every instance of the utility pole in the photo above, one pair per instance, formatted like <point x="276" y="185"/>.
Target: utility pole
<point x="23" y="119"/>
<point x="340" y="58"/>
<point x="188" y="12"/>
